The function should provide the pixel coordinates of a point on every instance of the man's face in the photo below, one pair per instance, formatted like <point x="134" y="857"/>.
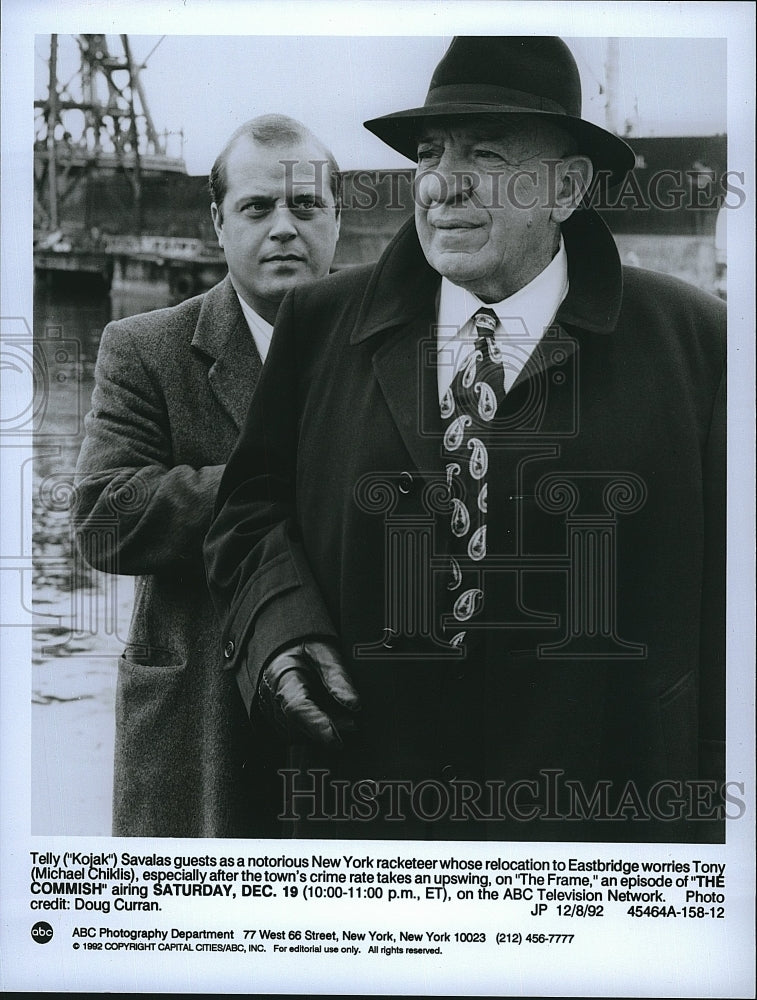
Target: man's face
<point x="278" y="223"/>
<point x="484" y="205"/>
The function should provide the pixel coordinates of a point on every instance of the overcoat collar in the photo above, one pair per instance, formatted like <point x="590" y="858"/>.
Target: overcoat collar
<point x="400" y="302"/>
<point x="222" y="334"/>
<point x="403" y="286"/>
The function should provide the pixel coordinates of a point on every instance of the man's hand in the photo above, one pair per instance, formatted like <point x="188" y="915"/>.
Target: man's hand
<point x="306" y="688"/>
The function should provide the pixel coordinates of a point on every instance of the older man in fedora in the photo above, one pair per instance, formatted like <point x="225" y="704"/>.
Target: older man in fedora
<point x="469" y="547"/>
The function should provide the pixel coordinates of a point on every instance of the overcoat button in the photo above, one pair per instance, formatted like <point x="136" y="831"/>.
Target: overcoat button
<point x="228" y="649"/>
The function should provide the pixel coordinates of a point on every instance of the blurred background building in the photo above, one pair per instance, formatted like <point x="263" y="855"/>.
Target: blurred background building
<point x="113" y="198"/>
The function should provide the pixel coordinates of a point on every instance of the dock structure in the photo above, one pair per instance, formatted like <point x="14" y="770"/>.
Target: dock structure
<point x="184" y="265"/>
<point x="109" y="201"/>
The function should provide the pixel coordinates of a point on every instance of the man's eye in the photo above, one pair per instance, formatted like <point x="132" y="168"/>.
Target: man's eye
<point x="486" y="154"/>
<point x="256" y="208"/>
<point x="305" y="205"/>
<point x="426" y="154"/>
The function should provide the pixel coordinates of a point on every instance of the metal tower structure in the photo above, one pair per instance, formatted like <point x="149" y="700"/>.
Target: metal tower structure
<point x="98" y="119"/>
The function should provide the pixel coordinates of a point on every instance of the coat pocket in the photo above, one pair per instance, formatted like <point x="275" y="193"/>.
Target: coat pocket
<point x="137" y="654"/>
<point x="151" y="701"/>
<point x="156" y="750"/>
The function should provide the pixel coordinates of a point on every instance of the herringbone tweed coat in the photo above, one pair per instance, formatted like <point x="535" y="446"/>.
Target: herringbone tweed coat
<point x="172" y="390"/>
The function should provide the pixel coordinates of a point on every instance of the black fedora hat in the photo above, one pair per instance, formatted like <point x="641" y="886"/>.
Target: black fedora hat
<point x="508" y="75"/>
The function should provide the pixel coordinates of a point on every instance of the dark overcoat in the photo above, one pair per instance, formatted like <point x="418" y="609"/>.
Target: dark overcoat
<point x="601" y="660"/>
<point x="172" y="388"/>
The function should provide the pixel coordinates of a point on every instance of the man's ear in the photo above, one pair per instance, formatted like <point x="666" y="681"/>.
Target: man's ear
<point x="573" y="178"/>
<point x="217" y="216"/>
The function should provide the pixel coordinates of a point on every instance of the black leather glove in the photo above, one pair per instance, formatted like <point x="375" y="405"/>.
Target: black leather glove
<point x="306" y="689"/>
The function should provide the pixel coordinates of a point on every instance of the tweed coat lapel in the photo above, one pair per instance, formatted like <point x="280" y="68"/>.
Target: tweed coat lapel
<point x="222" y="334"/>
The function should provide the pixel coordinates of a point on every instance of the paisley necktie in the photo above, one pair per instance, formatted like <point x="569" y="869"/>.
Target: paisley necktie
<point x="468" y="407"/>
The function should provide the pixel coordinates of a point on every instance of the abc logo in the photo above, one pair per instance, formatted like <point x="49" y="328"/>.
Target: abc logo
<point x="42" y="932"/>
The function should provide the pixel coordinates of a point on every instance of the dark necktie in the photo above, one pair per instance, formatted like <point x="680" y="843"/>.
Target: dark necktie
<point x="467" y="408"/>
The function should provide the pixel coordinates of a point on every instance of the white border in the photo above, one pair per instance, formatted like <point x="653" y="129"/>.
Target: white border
<point x="672" y="965"/>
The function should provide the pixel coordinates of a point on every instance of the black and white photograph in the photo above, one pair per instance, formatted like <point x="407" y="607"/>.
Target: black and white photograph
<point x="377" y="534"/>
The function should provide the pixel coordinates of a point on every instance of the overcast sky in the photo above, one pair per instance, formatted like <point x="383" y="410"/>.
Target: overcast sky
<point x="207" y="85"/>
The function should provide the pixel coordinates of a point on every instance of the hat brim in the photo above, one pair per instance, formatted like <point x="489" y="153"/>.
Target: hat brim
<point x="607" y="151"/>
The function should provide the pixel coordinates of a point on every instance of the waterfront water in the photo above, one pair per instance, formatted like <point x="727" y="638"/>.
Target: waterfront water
<point x="80" y="615"/>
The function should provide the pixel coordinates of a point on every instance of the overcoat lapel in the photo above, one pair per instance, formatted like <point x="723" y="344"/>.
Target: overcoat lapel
<point x="405" y="366"/>
<point x="593" y="302"/>
<point x="399" y="311"/>
<point x="398" y="314"/>
<point x="222" y="333"/>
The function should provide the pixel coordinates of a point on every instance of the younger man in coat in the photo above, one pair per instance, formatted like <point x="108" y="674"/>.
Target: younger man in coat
<point x="172" y="389"/>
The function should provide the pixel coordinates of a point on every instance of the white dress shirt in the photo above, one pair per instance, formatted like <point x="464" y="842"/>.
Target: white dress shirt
<point x="260" y="330"/>
<point x="523" y="318"/>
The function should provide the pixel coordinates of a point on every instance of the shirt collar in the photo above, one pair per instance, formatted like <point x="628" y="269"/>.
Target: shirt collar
<point x="261" y="330"/>
<point x="523" y="318"/>
<point x="527" y="312"/>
